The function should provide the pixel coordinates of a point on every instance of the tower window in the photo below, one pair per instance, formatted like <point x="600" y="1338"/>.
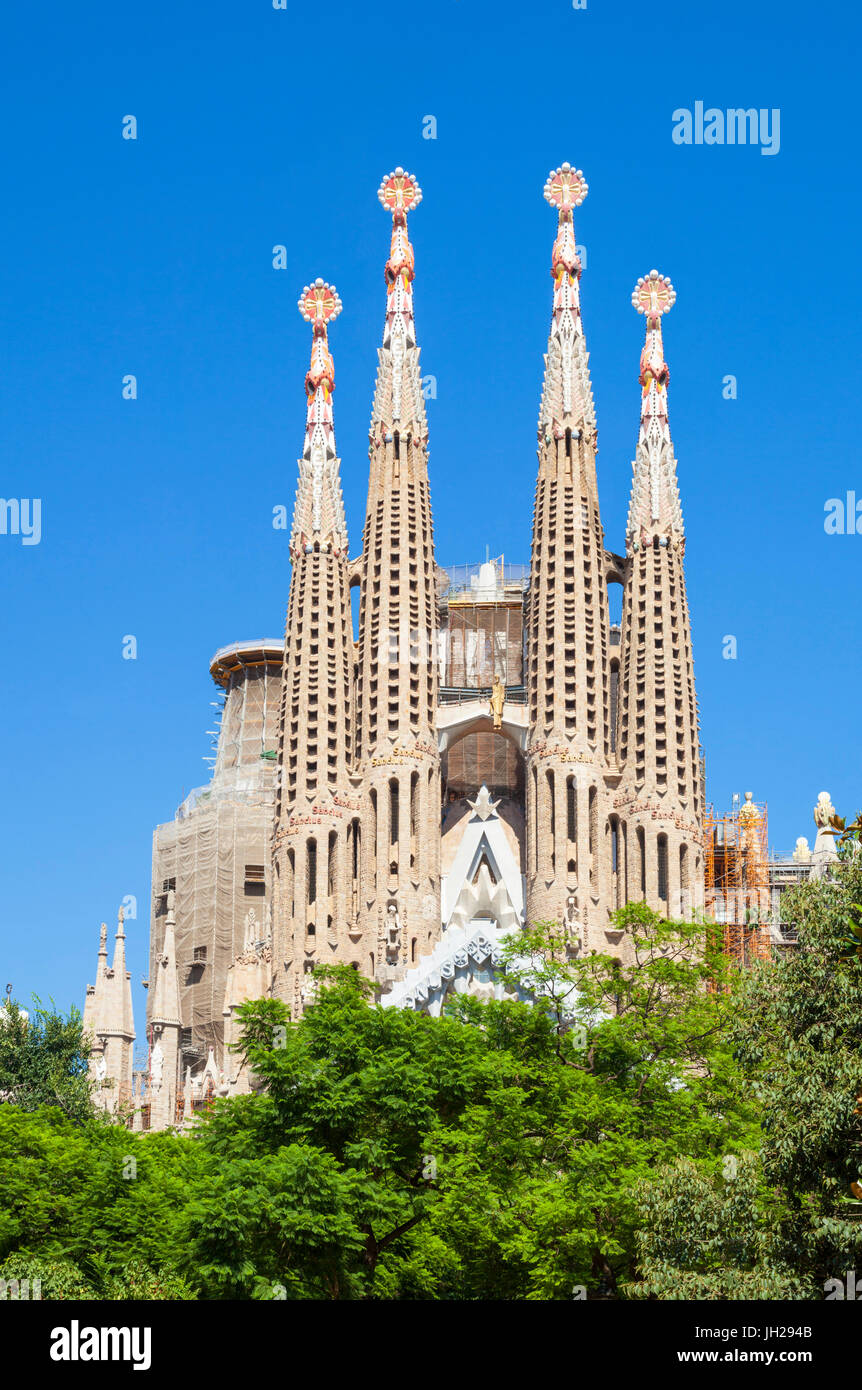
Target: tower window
<point x="254" y="885"/>
<point x="311" y="879"/>
<point x="662" y="871"/>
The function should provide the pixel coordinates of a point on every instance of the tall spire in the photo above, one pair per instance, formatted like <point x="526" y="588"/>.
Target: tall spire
<point x="396" y="741"/>
<point x="312" y="798"/>
<point x="567" y="397"/>
<point x="654" y="509"/>
<point x="659" y="798"/>
<point x="318" y="516"/>
<point x="398" y="400"/>
<point x="568" y="677"/>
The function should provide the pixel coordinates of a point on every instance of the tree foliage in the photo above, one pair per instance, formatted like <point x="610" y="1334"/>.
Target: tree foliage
<point x="43" y="1060"/>
<point x="797" y="1034"/>
<point x="657" y="1129"/>
<point x="494" y="1152"/>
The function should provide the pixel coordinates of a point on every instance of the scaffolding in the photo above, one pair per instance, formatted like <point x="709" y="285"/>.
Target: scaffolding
<point x="737" y="880"/>
<point x="215" y="854"/>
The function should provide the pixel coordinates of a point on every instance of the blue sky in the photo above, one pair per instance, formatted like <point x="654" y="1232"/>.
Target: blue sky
<point x="258" y="127"/>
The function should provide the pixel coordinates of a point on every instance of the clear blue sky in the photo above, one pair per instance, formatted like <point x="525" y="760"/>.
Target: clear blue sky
<point x="154" y="257"/>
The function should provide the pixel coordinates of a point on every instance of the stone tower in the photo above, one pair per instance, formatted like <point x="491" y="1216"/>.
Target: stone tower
<point x="109" y="1021"/>
<point x="396" y="693"/>
<point x="315" y="806"/>
<point x="214" y="854"/>
<point x="659" y="801"/>
<point x="566" y="616"/>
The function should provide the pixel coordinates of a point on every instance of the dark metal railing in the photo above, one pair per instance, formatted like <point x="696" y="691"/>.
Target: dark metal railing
<point x="459" y="694"/>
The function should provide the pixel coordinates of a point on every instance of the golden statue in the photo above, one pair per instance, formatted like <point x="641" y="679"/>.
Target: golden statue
<point x="751" y="820"/>
<point x="498" y="699"/>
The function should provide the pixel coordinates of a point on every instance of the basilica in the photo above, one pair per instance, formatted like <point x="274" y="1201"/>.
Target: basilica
<point x="487" y="750"/>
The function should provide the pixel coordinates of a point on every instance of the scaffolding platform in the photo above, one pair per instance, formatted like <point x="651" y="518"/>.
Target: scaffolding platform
<point x="737" y="885"/>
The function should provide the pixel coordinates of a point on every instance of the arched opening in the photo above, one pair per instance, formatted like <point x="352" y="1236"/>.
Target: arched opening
<point x="489" y="759"/>
<point x="354" y="852"/>
<point x="414" y="817"/>
<point x="615" y="593"/>
<point x="288" y="884"/>
<point x="614" y="701"/>
<point x="615" y="862"/>
<point x="311" y="876"/>
<point x="684" y="882"/>
<point x="393" y="825"/>
<point x="552" y="820"/>
<point x="535" y="814"/>
<point x="662" y="865"/>
<point x="571" y="827"/>
<point x="331" y="867"/>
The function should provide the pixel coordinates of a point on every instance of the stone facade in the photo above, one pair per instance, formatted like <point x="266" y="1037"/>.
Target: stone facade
<point x="569" y="748"/>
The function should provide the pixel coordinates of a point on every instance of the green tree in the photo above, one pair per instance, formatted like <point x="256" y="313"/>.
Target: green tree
<point x="494" y="1152"/>
<point x="43" y="1060"/>
<point x="491" y="1153"/>
<point x="707" y="1235"/>
<point x="797" y="1031"/>
<point x="618" y="1068"/>
<point x="96" y="1203"/>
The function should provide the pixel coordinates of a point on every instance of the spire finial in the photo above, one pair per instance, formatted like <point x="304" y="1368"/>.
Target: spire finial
<point x="567" y="397"/>
<point x="566" y="188"/>
<point x="319" y="304"/>
<point x="120" y="920"/>
<point x="318" y="517"/>
<point x="399" y="193"/>
<point x="653" y="296"/>
<point x="654" y="508"/>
